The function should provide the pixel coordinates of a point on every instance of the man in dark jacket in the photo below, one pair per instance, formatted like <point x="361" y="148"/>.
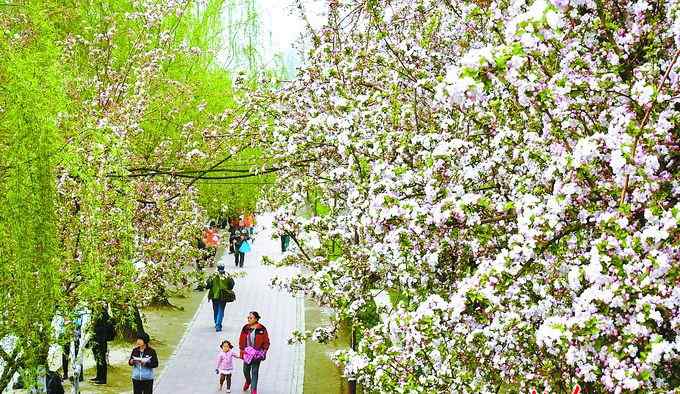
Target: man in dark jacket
<point x="103" y="332"/>
<point x="219" y="286"/>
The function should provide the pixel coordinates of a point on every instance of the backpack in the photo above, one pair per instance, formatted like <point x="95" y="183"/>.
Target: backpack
<point x="104" y="329"/>
<point x="110" y="331"/>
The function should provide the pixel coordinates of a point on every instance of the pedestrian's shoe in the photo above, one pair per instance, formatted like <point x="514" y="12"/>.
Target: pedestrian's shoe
<point x="246" y="386"/>
<point x="99" y="382"/>
<point x="94" y="379"/>
<point x="228" y="390"/>
<point x="254" y="391"/>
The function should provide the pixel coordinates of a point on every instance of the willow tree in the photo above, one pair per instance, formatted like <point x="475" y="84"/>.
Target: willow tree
<point x="110" y="116"/>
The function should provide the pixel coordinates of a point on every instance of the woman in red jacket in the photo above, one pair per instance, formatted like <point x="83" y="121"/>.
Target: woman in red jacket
<point x="253" y="335"/>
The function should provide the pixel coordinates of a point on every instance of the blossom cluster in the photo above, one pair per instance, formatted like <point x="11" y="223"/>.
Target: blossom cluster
<point x="501" y="185"/>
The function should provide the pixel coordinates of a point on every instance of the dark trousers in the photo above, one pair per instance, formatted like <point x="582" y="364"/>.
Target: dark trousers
<point x="238" y="258"/>
<point x="142" y="386"/>
<point x="251" y="372"/>
<point x="285" y="241"/>
<point x="99" y="350"/>
<point x="65" y="358"/>
<point x="218" y="313"/>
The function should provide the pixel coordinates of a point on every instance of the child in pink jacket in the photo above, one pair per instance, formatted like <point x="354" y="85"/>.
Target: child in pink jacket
<point x="225" y="363"/>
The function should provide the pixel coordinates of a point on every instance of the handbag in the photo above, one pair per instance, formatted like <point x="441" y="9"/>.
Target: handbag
<point x="229" y="296"/>
<point x="245" y="247"/>
<point x="251" y="354"/>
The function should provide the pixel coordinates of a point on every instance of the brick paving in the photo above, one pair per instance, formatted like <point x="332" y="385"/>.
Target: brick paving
<point x="191" y="368"/>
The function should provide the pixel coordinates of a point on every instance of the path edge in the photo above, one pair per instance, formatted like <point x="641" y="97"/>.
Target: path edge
<point x="299" y="373"/>
<point x="180" y="345"/>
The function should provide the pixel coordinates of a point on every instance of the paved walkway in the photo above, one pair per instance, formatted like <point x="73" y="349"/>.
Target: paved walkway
<point x="191" y="369"/>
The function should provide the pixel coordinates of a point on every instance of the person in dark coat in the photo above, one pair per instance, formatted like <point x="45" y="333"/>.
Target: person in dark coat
<point x="103" y="332"/>
<point x="239" y="257"/>
<point x="143" y="360"/>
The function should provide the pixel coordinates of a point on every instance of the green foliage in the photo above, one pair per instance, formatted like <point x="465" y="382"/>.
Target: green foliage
<point x="101" y="111"/>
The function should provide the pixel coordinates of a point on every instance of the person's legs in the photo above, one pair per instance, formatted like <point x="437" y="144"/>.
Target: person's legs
<point x="241" y="258"/>
<point x="216" y="310"/>
<point x="66" y="349"/>
<point x="220" y="314"/>
<point x="137" y="387"/>
<point x="105" y="350"/>
<point x="99" y="350"/>
<point x="254" y="373"/>
<point x="236" y="258"/>
<point x="246" y="374"/>
<point x="222" y="377"/>
<point x="78" y="369"/>
<point x="228" y="381"/>
<point x="147" y="387"/>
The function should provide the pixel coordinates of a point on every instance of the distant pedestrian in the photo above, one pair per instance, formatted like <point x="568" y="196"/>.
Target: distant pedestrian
<point x="211" y="240"/>
<point x="249" y="224"/>
<point x="220" y="291"/>
<point x="143" y="360"/>
<point x="76" y="326"/>
<point x="103" y="333"/>
<point x="234" y="235"/>
<point x="253" y="344"/>
<point x="241" y="247"/>
<point x="225" y="364"/>
<point x="285" y="242"/>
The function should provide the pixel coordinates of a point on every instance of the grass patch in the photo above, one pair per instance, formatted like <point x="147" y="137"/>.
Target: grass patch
<point x="322" y="376"/>
<point x="166" y="326"/>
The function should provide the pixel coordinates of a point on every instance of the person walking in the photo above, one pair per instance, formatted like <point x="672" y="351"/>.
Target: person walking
<point x="234" y="235"/>
<point x="241" y="247"/>
<point x="253" y="344"/>
<point x="103" y="333"/>
<point x="211" y="240"/>
<point x="143" y="360"/>
<point x="225" y="364"/>
<point x="201" y="261"/>
<point x="285" y="242"/>
<point x="67" y="353"/>
<point x="220" y="291"/>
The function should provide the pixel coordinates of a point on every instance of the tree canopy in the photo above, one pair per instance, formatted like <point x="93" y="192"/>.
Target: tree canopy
<point x="500" y="181"/>
<point x="112" y="121"/>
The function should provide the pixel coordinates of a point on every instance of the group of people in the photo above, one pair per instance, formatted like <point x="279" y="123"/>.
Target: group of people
<point x="253" y="341"/>
<point x="241" y="233"/>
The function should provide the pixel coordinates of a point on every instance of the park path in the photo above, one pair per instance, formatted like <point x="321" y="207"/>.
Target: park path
<point x="191" y="368"/>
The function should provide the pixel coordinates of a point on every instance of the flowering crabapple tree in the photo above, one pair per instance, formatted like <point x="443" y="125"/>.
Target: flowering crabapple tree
<point x="501" y="182"/>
